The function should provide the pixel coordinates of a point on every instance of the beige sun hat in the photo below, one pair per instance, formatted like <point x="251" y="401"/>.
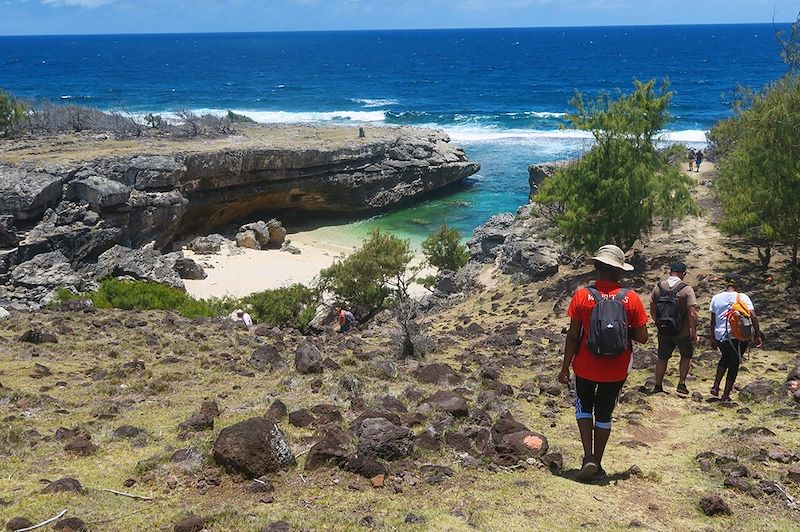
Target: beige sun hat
<point x="611" y="255"/>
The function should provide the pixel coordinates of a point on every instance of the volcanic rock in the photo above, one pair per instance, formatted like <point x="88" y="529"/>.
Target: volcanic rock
<point x="253" y="448"/>
<point x="382" y="439"/>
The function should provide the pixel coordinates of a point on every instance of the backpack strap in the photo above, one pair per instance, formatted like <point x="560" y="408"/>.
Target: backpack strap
<point x="621" y="294"/>
<point x="675" y="289"/>
<point x="594" y="292"/>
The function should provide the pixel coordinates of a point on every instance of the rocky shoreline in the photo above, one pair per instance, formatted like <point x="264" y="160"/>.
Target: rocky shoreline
<point x="65" y="204"/>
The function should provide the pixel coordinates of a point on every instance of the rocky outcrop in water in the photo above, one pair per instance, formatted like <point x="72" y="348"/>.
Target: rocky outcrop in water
<point x="76" y="209"/>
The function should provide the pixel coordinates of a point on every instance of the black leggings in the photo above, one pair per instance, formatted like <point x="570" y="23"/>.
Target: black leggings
<point x="599" y="398"/>
<point x="732" y="351"/>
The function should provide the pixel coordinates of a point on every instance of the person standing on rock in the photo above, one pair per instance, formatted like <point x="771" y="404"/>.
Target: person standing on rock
<point x="673" y="307"/>
<point x="733" y="325"/>
<point x="604" y="318"/>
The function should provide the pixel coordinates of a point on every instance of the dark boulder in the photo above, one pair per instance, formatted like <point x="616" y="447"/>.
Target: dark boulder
<point x="25" y="195"/>
<point x="127" y="431"/>
<point x="206" y="245"/>
<point x="365" y="466"/>
<point x="187" y="268"/>
<point x="523" y="444"/>
<point x="36" y="336"/>
<point x="142" y="264"/>
<point x="452" y="403"/>
<point x="382" y="439"/>
<point x="438" y="374"/>
<point x="80" y="445"/>
<point x="8" y="234"/>
<point x="759" y="390"/>
<point x="326" y="453"/>
<point x="16" y="523"/>
<point x="253" y="448"/>
<point x="712" y="505"/>
<point x="267" y="357"/>
<point x="70" y="524"/>
<point x="64" y="484"/>
<point x="276" y="411"/>
<point x="192" y="523"/>
<point x="487" y="239"/>
<point x="308" y="359"/>
<point x="301" y="418"/>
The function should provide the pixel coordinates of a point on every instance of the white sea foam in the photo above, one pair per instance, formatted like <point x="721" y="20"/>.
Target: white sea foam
<point x="687" y="136"/>
<point x="292" y="117"/>
<point x="487" y="134"/>
<point x="376" y="102"/>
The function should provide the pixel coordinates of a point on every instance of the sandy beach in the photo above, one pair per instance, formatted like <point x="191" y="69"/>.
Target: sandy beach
<point x="252" y="271"/>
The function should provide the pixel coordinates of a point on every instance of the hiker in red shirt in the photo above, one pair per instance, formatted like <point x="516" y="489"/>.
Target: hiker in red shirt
<point x="600" y="354"/>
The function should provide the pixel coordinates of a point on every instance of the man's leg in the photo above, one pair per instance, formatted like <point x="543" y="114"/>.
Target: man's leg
<point x="735" y="349"/>
<point x="686" y="349"/>
<point x="606" y="400"/>
<point x="584" y="406"/>
<point x="722" y="367"/>
<point x="665" y="349"/>
<point x="686" y="364"/>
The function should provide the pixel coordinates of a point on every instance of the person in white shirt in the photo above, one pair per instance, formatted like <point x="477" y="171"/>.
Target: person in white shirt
<point x="245" y="318"/>
<point x="731" y="349"/>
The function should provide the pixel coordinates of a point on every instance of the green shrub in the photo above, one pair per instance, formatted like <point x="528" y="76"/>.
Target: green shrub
<point x="236" y="118"/>
<point x="148" y="295"/>
<point x="292" y="306"/>
<point x="366" y="279"/>
<point x="11" y="112"/>
<point x="444" y="250"/>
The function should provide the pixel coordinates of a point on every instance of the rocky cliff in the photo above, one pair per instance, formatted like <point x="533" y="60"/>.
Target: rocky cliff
<point x="80" y="196"/>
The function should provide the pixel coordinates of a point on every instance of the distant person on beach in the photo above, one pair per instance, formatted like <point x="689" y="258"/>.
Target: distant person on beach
<point x="673" y="307"/>
<point x="346" y="319"/>
<point x="692" y="155"/>
<point x="244" y="317"/>
<point x="733" y="326"/>
<point x="600" y="356"/>
<point x="698" y="158"/>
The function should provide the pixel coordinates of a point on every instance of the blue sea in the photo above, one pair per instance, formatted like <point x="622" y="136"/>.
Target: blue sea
<point x="501" y="94"/>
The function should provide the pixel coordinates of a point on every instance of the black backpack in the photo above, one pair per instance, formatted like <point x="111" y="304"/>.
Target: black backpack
<point x="668" y="310"/>
<point x="608" y="324"/>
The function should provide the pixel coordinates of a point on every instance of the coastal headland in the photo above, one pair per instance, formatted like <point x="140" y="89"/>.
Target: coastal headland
<point x="79" y="195"/>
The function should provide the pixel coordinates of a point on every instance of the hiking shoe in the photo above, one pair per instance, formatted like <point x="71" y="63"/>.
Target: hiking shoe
<point x="714" y="392"/>
<point x="588" y="469"/>
<point x="658" y="388"/>
<point x="600" y="473"/>
<point x="682" y="389"/>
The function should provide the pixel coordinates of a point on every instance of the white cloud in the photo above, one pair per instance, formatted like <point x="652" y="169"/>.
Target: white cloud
<point x="78" y="3"/>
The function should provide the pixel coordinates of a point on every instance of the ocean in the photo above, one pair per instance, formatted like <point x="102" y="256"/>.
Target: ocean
<point x="501" y="94"/>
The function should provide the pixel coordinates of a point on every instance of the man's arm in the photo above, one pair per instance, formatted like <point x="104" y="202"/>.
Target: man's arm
<point x="711" y="330"/>
<point x="759" y="341"/>
<point x="653" y="310"/>
<point x="693" y="323"/>
<point x="571" y="349"/>
<point x="640" y="334"/>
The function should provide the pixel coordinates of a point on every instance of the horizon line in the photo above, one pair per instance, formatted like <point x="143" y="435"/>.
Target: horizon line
<point x="611" y="26"/>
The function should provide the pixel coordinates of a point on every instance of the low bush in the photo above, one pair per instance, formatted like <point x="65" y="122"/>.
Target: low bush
<point x="146" y="295"/>
<point x="292" y="306"/>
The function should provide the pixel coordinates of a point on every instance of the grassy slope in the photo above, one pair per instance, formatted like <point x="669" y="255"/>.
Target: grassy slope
<point x="664" y="498"/>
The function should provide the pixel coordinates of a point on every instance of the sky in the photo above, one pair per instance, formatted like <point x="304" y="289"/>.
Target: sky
<point x="60" y="17"/>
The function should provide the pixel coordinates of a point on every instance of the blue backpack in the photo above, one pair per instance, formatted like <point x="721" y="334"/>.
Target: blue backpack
<point x="608" y="324"/>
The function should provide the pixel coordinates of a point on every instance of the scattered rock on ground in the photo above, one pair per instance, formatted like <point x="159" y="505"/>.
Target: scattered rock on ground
<point x="712" y="505"/>
<point x="192" y="523"/>
<point x="383" y="439"/>
<point x="63" y="484"/>
<point x="253" y="448"/>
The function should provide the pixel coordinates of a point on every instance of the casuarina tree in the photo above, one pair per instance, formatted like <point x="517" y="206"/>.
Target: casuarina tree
<point x="759" y="163"/>
<point x="615" y="192"/>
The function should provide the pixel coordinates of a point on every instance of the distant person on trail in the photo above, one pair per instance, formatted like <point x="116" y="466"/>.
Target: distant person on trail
<point x="346" y="319"/>
<point x="733" y="325"/>
<point x="673" y="307"/>
<point x="698" y="158"/>
<point x="604" y="318"/>
<point x="692" y="155"/>
<point x="244" y="317"/>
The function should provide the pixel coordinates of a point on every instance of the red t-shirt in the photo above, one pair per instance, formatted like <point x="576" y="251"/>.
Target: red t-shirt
<point x="588" y="365"/>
